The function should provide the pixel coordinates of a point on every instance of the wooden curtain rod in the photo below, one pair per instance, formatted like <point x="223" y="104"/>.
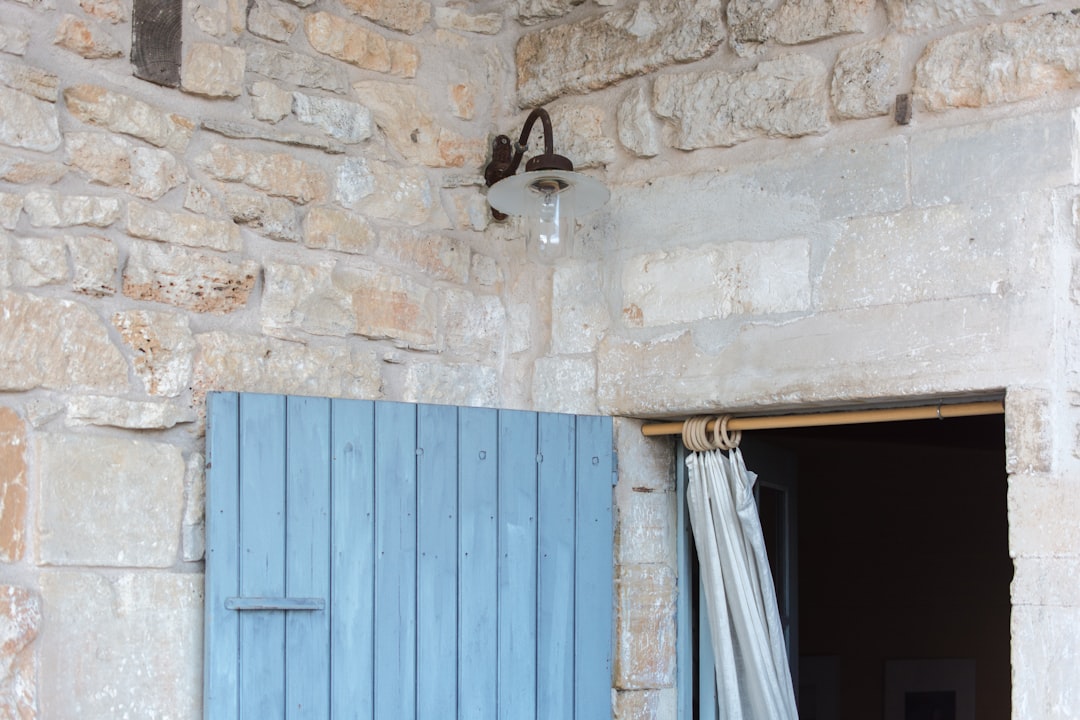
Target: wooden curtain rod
<point x="850" y="417"/>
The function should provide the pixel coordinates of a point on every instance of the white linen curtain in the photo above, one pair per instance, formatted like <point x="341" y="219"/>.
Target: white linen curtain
<point x="752" y="675"/>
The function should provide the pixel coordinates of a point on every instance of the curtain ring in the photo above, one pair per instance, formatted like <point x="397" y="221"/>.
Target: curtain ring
<point x="729" y="441"/>
<point x="694" y="436"/>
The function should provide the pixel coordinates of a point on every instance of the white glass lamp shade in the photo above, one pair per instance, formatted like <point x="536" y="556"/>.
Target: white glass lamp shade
<point x="550" y="200"/>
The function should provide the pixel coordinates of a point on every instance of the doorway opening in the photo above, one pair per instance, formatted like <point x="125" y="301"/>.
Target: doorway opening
<point x="900" y="561"/>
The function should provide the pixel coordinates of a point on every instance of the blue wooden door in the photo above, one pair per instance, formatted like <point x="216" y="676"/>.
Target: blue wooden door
<point x="379" y="560"/>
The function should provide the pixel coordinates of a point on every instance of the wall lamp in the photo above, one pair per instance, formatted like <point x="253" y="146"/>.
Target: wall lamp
<point x="549" y="193"/>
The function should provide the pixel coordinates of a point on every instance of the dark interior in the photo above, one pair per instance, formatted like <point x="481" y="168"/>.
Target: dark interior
<point x="902" y="554"/>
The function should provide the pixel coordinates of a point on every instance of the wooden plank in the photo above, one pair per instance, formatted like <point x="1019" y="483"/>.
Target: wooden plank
<point x="352" y="605"/>
<point x="395" y="561"/>
<point x="222" y="628"/>
<point x="307" y="556"/>
<point x="262" y="559"/>
<point x="437" y="576"/>
<point x="517" y="565"/>
<point x="555" y="589"/>
<point x="594" y="573"/>
<point x="478" y="563"/>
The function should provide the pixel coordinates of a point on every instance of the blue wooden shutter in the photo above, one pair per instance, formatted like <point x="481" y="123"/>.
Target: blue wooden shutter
<point x="385" y="561"/>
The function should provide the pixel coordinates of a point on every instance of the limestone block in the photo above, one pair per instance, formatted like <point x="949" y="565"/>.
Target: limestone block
<point x="32" y="261"/>
<point x="785" y="97"/>
<point x="918" y="255"/>
<point x="463" y="100"/>
<point x="42" y="84"/>
<point x="356" y="45"/>
<point x="276" y="218"/>
<point x="14" y="40"/>
<point x="213" y="70"/>
<point x="292" y="68"/>
<point x="485" y="271"/>
<point x="47" y="208"/>
<point x="113" y="11"/>
<point x="647" y="704"/>
<point x="272" y="21"/>
<point x="1045" y="641"/>
<point x="95" y="105"/>
<point x="1002" y="63"/>
<point x="86" y="38"/>
<point x="269" y="102"/>
<point x="474" y="326"/>
<point x="219" y="18"/>
<point x="565" y="384"/>
<point x="332" y="229"/>
<point x="716" y="281"/>
<point x="453" y="18"/>
<point x="407" y="16"/>
<point x="31" y="172"/>
<point x="252" y="363"/>
<point x="123" y="622"/>
<point x="404" y="115"/>
<point x="468" y="209"/>
<point x="644" y="627"/>
<point x="639" y="130"/>
<point x="20" y="623"/>
<point x="645" y="464"/>
<point x="86" y="482"/>
<point x="971" y="163"/>
<point x="346" y="121"/>
<point x="1048" y="581"/>
<point x="163" y="349"/>
<point x="579" y="134"/>
<point x="242" y="131"/>
<point x="186" y="279"/>
<point x="193" y="538"/>
<point x="593" y="53"/>
<point x="26" y="122"/>
<point x="451" y="384"/>
<point x="531" y="12"/>
<point x="278" y="174"/>
<point x="911" y="16"/>
<point x="383" y="191"/>
<point x="10" y="209"/>
<point x="579" y="310"/>
<point x="56" y="344"/>
<point x="95" y="260"/>
<point x="307" y="298"/>
<point x="435" y="256"/>
<point x="1042" y="515"/>
<point x="792" y="22"/>
<point x="149" y="223"/>
<point x="111" y="160"/>
<point x="776" y="199"/>
<point x="646" y="527"/>
<point x="129" y="414"/>
<point x="13" y="490"/>
<point x="865" y="78"/>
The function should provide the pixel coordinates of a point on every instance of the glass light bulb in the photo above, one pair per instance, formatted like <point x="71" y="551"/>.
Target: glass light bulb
<point x="551" y="219"/>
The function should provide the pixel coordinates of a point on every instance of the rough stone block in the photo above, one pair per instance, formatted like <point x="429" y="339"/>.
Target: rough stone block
<point x="33" y="330"/>
<point x="332" y="229"/>
<point x="647" y="704"/>
<point x="129" y="414"/>
<point x="646" y="527"/>
<point x="120" y="113"/>
<point x="13" y="489"/>
<point x="123" y="622"/>
<point x="716" y="281"/>
<point x="111" y="160"/>
<point x="87" y="482"/>
<point x="86" y="38"/>
<point x="95" y="261"/>
<point x="451" y="18"/>
<point x="644" y="627"/>
<point x="343" y="120"/>
<point x="32" y="261"/>
<point x="269" y="102"/>
<point x="42" y="84"/>
<point x="274" y="217"/>
<point x="277" y="174"/>
<point x="272" y="21"/>
<point x="187" y="279"/>
<point x="407" y="16"/>
<point x="1042" y="512"/>
<point x="213" y="70"/>
<point x="451" y="384"/>
<point x="645" y="464"/>
<point x="162" y="346"/>
<point x="1029" y="435"/>
<point x="20" y="623"/>
<point x="193" y="539"/>
<point x="865" y="78"/>
<point x="10" y="210"/>
<point x="47" y="208"/>
<point x="436" y="256"/>
<point x="579" y="133"/>
<point x="970" y="163"/>
<point x="26" y="122"/>
<point x="31" y="172"/>
<point x="966" y="69"/>
<point x="792" y="23"/>
<point x="114" y="11"/>
<point x="293" y="68"/>
<point x="356" y="45"/>
<point x="639" y="130"/>
<point x="598" y="51"/>
<point x="474" y="326"/>
<point x="14" y="40"/>
<point x="384" y="191"/>
<point x="579" y="311"/>
<point x="251" y="363"/>
<point x="912" y="16"/>
<point x="565" y="384"/>
<point x="532" y="12"/>
<point x="1046" y="581"/>
<point x="785" y="97"/>
<point x="1044" y="642"/>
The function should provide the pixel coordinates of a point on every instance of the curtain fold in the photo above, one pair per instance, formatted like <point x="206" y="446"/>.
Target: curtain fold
<point x="752" y="673"/>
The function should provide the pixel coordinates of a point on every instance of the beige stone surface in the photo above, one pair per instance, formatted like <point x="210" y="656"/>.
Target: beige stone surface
<point x="564" y="384"/>
<point x="50" y="209"/>
<point x="384" y="191"/>
<point x="123" y="622"/>
<point x="451" y="384"/>
<point x="97" y="105"/>
<point x="474" y="326"/>
<point x="163" y="349"/>
<point x="646" y="704"/>
<point x="42" y="84"/>
<point x="274" y="217"/>
<point x="129" y="414"/>
<point x="13" y="487"/>
<point x="149" y="223"/>
<point x="56" y="344"/>
<point x="533" y="12"/>
<point x="356" y="45"/>
<point x="919" y="15"/>
<point x="23" y="171"/>
<point x="245" y="131"/>
<point x="26" y="122"/>
<point x="646" y="526"/>
<point x="407" y="16"/>
<point x="294" y="68"/>
<point x="333" y="229"/>
<point x="269" y="102"/>
<point x="191" y="280"/>
<point x="784" y="97"/>
<point x="455" y="18"/>
<point x="10" y="209"/>
<point x="343" y="120"/>
<point x="644" y="626"/>
<point x="1042" y="643"/>
<point x="86" y="38"/>
<point x="792" y="22"/>
<point x="639" y="129"/>
<point x="32" y="261"/>
<point x="95" y="262"/>
<point x="579" y="311"/>
<point x="213" y="70"/>
<point x="252" y="363"/>
<point x="14" y="40"/>
<point x="593" y="53"/>
<point x="1029" y="445"/>
<point x="20" y="623"/>
<point x="1000" y="63"/>
<point x="439" y="257"/>
<point x="865" y="78"/>
<point x="272" y="21"/>
<point x="277" y="174"/>
<point x="193" y="539"/>
<point x="111" y="160"/>
<point x="1040" y="509"/>
<point x="113" y="11"/>
<point x="86" y="481"/>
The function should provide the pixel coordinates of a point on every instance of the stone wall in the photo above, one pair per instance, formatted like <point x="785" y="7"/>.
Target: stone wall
<point x="304" y="213"/>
